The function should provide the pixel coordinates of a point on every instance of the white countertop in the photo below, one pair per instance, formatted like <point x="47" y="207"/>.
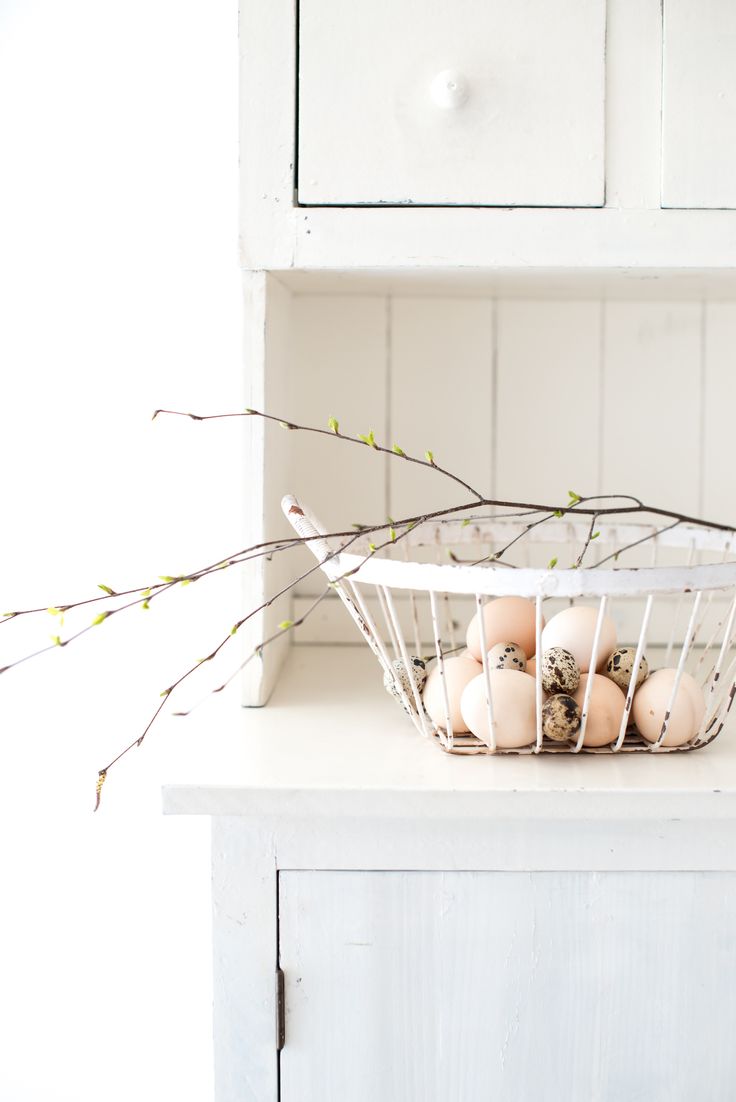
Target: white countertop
<point x="333" y="742"/>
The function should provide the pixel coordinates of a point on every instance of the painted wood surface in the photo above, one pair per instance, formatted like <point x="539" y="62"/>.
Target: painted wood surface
<point x="633" y="103"/>
<point x="469" y="986"/>
<point x="631" y="232"/>
<point x="518" y="119"/>
<point x="245" y="944"/>
<point x="549" y="381"/>
<point x="526" y="398"/>
<point x="699" y="104"/>
<point x="719" y="401"/>
<point x="651" y="424"/>
<point x="340" y="369"/>
<point x="267" y="460"/>
<point x="333" y="745"/>
<point x="442" y="382"/>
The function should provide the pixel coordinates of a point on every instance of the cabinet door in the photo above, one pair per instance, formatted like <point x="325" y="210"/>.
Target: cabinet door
<point x="476" y="102"/>
<point x="472" y="987"/>
<point x="699" y="104"/>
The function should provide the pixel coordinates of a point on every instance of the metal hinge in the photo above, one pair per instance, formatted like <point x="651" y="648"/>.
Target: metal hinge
<point x="280" y="1011"/>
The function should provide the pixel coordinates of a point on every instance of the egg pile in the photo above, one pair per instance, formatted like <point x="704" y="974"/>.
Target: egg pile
<point x="508" y="632"/>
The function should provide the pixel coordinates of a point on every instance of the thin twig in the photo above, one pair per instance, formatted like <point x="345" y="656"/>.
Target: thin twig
<point x="590" y="536"/>
<point x="367" y="442"/>
<point x="628" y="546"/>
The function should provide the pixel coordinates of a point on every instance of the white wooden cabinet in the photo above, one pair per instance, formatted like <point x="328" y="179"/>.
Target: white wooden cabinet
<point x="496" y="271"/>
<point x="453" y="928"/>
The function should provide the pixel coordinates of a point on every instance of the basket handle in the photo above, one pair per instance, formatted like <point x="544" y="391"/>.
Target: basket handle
<point x="304" y="526"/>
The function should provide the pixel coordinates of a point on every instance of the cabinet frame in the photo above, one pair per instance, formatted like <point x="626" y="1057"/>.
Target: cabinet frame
<point x="631" y="231"/>
<point x="579" y="832"/>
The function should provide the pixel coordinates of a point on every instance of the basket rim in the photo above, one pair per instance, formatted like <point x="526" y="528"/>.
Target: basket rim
<point x="501" y="581"/>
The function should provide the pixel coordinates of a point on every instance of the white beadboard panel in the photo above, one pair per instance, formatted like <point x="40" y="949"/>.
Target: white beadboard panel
<point x="470" y="986"/>
<point x="339" y="370"/>
<point x="548" y="400"/>
<point x="719" y="485"/>
<point x="441" y="398"/>
<point x="699" y="104"/>
<point x="652" y="402"/>
<point x="476" y="102"/>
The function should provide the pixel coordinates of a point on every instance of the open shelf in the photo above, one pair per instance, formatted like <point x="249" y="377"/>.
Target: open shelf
<point x="526" y="384"/>
<point x="332" y="741"/>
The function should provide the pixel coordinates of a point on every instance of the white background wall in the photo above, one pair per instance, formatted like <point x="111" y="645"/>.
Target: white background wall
<point x="119" y="292"/>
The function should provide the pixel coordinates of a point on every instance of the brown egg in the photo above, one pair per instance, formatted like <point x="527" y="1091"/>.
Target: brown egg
<point x="573" y="629"/>
<point x="652" y="700"/>
<point x="605" y="711"/>
<point x="506" y="619"/>
<point x="459" y="671"/>
<point x="514" y="708"/>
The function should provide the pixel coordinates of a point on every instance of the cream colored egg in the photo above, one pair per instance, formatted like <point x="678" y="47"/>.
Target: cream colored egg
<point x="458" y="672"/>
<point x="652" y="700"/>
<point x="696" y="696"/>
<point x="531" y="667"/>
<point x="573" y="629"/>
<point x="605" y="709"/>
<point x="506" y="619"/>
<point x="514" y="708"/>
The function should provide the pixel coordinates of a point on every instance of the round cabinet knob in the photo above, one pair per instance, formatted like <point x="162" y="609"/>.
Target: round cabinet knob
<point x="449" y="89"/>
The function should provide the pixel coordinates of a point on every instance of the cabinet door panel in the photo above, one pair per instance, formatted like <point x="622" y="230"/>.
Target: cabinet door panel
<point x="699" y="104"/>
<point x="487" y="102"/>
<point x="469" y="987"/>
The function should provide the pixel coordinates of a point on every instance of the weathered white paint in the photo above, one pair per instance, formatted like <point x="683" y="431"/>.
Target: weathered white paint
<point x="523" y="127"/>
<point x="618" y="383"/>
<point x="633" y="103"/>
<point x="269" y="356"/>
<point x="631" y="232"/>
<point x="332" y="776"/>
<point x="244" y="924"/>
<point x="339" y="369"/>
<point x="650" y="416"/>
<point x="267" y="127"/>
<point x="441" y="371"/>
<point x="581" y="283"/>
<point x="548" y="398"/>
<point x="332" y="743"/>
<point x="698" y="108"/>
<point x="397" y="237"/>
<point x="719" y="401"/>
<point x="573" y="986"/>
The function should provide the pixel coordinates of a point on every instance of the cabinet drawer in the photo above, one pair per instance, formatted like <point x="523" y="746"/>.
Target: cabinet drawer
<point x="461" y="102"/>
<point x="699" y="104"/>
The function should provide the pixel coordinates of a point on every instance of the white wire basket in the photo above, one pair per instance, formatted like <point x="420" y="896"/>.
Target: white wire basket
<point x="671" y="590"/>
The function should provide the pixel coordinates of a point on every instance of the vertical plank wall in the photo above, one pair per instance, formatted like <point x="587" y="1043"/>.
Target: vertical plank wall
<point x="523" y="398"/>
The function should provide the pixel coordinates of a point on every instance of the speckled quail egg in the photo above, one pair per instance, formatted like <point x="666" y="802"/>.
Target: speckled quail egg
<point x="620" y="665"/>
<point x="560" y="717"/>
<point x="560" y="673"/>
<point x="507" y="656"/>
<point x="403" y="677"/>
